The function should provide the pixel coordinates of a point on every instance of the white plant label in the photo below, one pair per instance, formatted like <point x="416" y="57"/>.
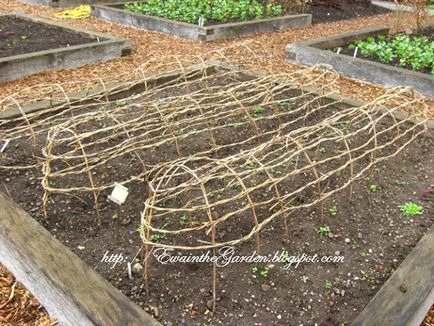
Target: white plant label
<point x="5" y="144"/>
<point x="119" y="194"/>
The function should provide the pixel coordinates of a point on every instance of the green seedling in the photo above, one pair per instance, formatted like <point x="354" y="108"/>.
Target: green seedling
<point x="140" y="229"/>
<point x="373" y="188"/>
<point x="183" y="218"/>
<point x="333" y="210"/>
<point x="328" y="285"/>
<point x="261" y="271"/>
<point x="258" y="111"/>
<point x="156" y="238"/>
<point x="264" y="272"/>
<point x="286" y="106"/>
<point x="285" y="257"/>
<point x="411" y="209"/>
<point x="323" y="230"/>
<point x="167" y="223"/>
<point x="121" y="103"/>
<point x="400" y="183"/>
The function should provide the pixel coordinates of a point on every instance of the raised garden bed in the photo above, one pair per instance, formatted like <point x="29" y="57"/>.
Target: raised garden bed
<point x="31" y="45"/>
<point x="211" y="113"/>
<point x="67" y="3"/>
<point x="319" y="51"/>
<point x="118" y="14"/>
<point x="390" y="5"/>
<point x="411" y="52"/>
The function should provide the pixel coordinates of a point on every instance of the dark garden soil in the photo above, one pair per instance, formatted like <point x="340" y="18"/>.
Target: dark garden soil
<point x="21" y="36"/>
<point x="395" y="63"/>
<point x="370" y="232"/>
<point x="343" y="10"/>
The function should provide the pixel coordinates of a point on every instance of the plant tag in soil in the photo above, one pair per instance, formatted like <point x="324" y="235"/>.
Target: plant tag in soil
<point x="119" y="194"/>
<point x="130" y="273"/>
<point x="3" y="145"/>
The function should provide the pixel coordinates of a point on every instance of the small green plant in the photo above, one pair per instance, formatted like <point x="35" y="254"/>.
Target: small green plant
<point x="285" y="257"/>
<point x="400" y="183"/>
<point x="18" y="40"/>
<point x="411" y="209"/>
<point x="323" y="230"/>
<point x="333" y="210"/>
<point x="156" y="238"/>
<point x="304" y="278"/>
<point x="140" y="229"/>
<point x="115" y="216"/>
<point x="286" y="106"/>
<point x="264" y="271"/>
<point x="258" y="111"/>
<point x="183" y="218"/>
<point x="167" y="223"/>
<point x="328" y="285"/>
<point x="373" y="188"/>
<point x="121" y="103"/>
<point x="261" y="271"/>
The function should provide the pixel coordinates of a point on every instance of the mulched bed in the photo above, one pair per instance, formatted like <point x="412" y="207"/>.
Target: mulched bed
<point x="18" y="306"/>
<point x="21" y="36"/>
<point x="156" y="48"/>
<point x="429" y="319"/>
<point x="379" y="238"/>
<point x="395" y="63"/>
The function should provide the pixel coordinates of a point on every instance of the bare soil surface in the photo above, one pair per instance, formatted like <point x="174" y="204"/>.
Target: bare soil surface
<point x="341" y="10"/>
<point x="369" y="231"/>
<point x="21" y="36"/>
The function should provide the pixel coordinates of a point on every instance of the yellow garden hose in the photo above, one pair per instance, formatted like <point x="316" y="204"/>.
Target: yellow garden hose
<point x="75" y="13"/>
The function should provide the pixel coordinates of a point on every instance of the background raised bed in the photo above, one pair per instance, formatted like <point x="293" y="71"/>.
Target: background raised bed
<point x="28" y="54"/>
<point x="68" y="3"/>
<point x="316" y="51"/>
<point x="117" y="14"/>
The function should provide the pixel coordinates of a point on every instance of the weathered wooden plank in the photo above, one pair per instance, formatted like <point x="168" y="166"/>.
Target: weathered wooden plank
<point x="69" y="289"/>
<point x="408" y="294"/>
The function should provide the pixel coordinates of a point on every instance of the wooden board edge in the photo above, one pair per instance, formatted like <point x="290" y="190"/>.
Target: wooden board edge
<point x="70" y="290"/>
<point x="408" y="294"/>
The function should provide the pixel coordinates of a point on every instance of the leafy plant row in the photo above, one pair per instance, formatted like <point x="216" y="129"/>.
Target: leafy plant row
<point x="194" y="11"/>
<point x="412" y="52"/>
